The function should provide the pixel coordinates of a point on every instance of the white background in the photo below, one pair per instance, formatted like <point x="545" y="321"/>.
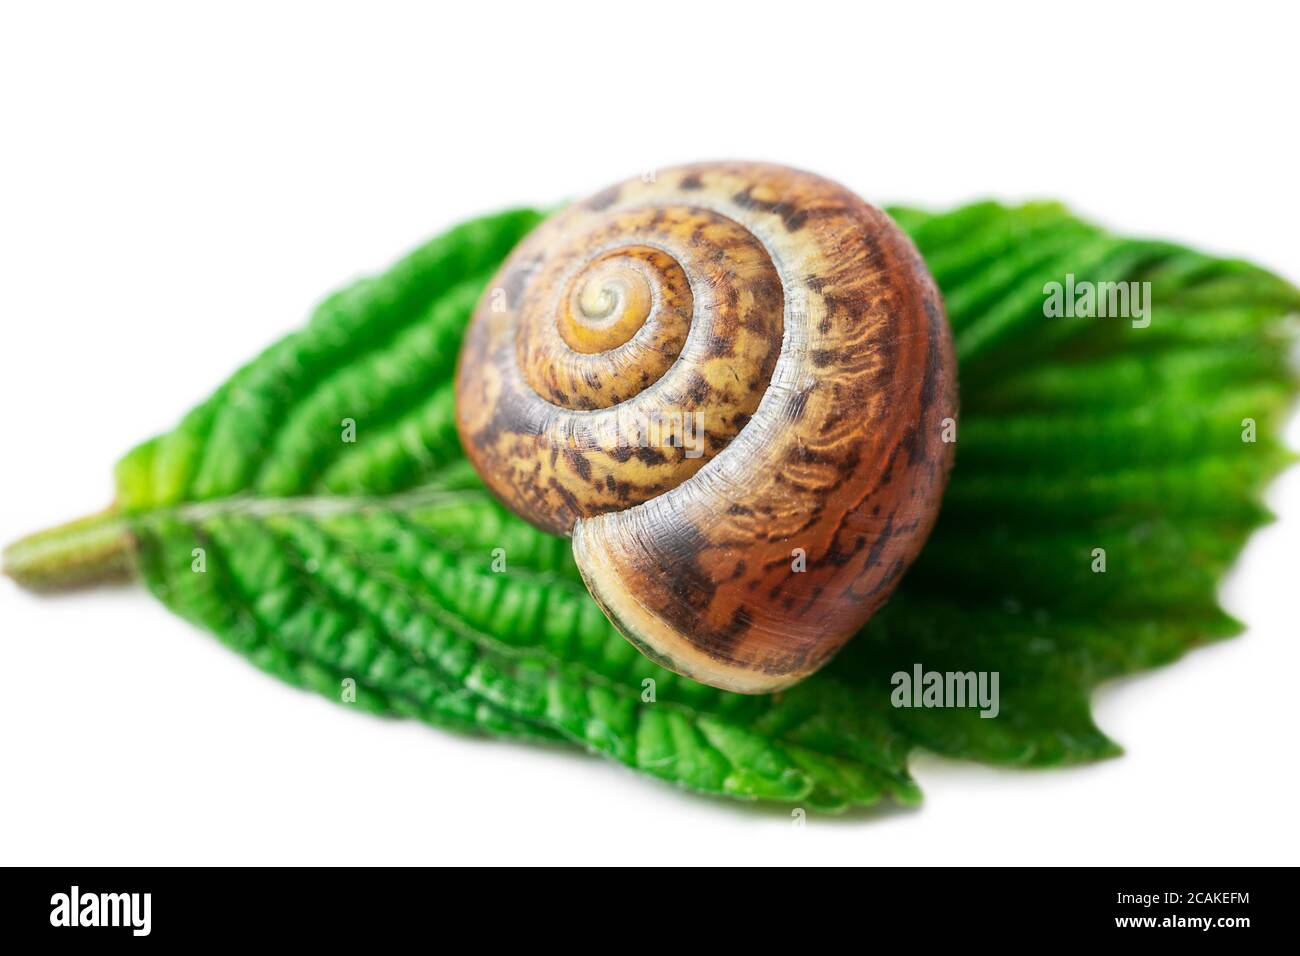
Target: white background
<point x="177" y="189"/>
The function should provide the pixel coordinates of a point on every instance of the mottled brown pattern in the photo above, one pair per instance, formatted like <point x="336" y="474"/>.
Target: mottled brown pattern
<point x="561" y="434"/>
<point x="817" y="349"/>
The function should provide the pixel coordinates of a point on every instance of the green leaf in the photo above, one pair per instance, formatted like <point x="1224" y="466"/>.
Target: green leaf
<point x="366" y="567"/>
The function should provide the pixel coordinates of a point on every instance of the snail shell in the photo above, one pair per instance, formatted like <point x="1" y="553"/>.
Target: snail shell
<point x="727" y="382"/>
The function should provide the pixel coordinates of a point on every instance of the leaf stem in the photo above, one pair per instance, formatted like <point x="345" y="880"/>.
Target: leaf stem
<point x="90" y="550"/>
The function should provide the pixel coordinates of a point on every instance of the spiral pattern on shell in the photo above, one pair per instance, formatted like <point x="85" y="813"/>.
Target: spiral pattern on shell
<point x="728" y="384"/>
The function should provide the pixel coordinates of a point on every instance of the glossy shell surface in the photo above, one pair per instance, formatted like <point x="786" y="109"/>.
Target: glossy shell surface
<point x="729" y="383"/>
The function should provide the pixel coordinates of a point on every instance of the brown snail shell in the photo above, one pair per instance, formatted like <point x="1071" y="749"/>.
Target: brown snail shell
<point x="727" y="382"/>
